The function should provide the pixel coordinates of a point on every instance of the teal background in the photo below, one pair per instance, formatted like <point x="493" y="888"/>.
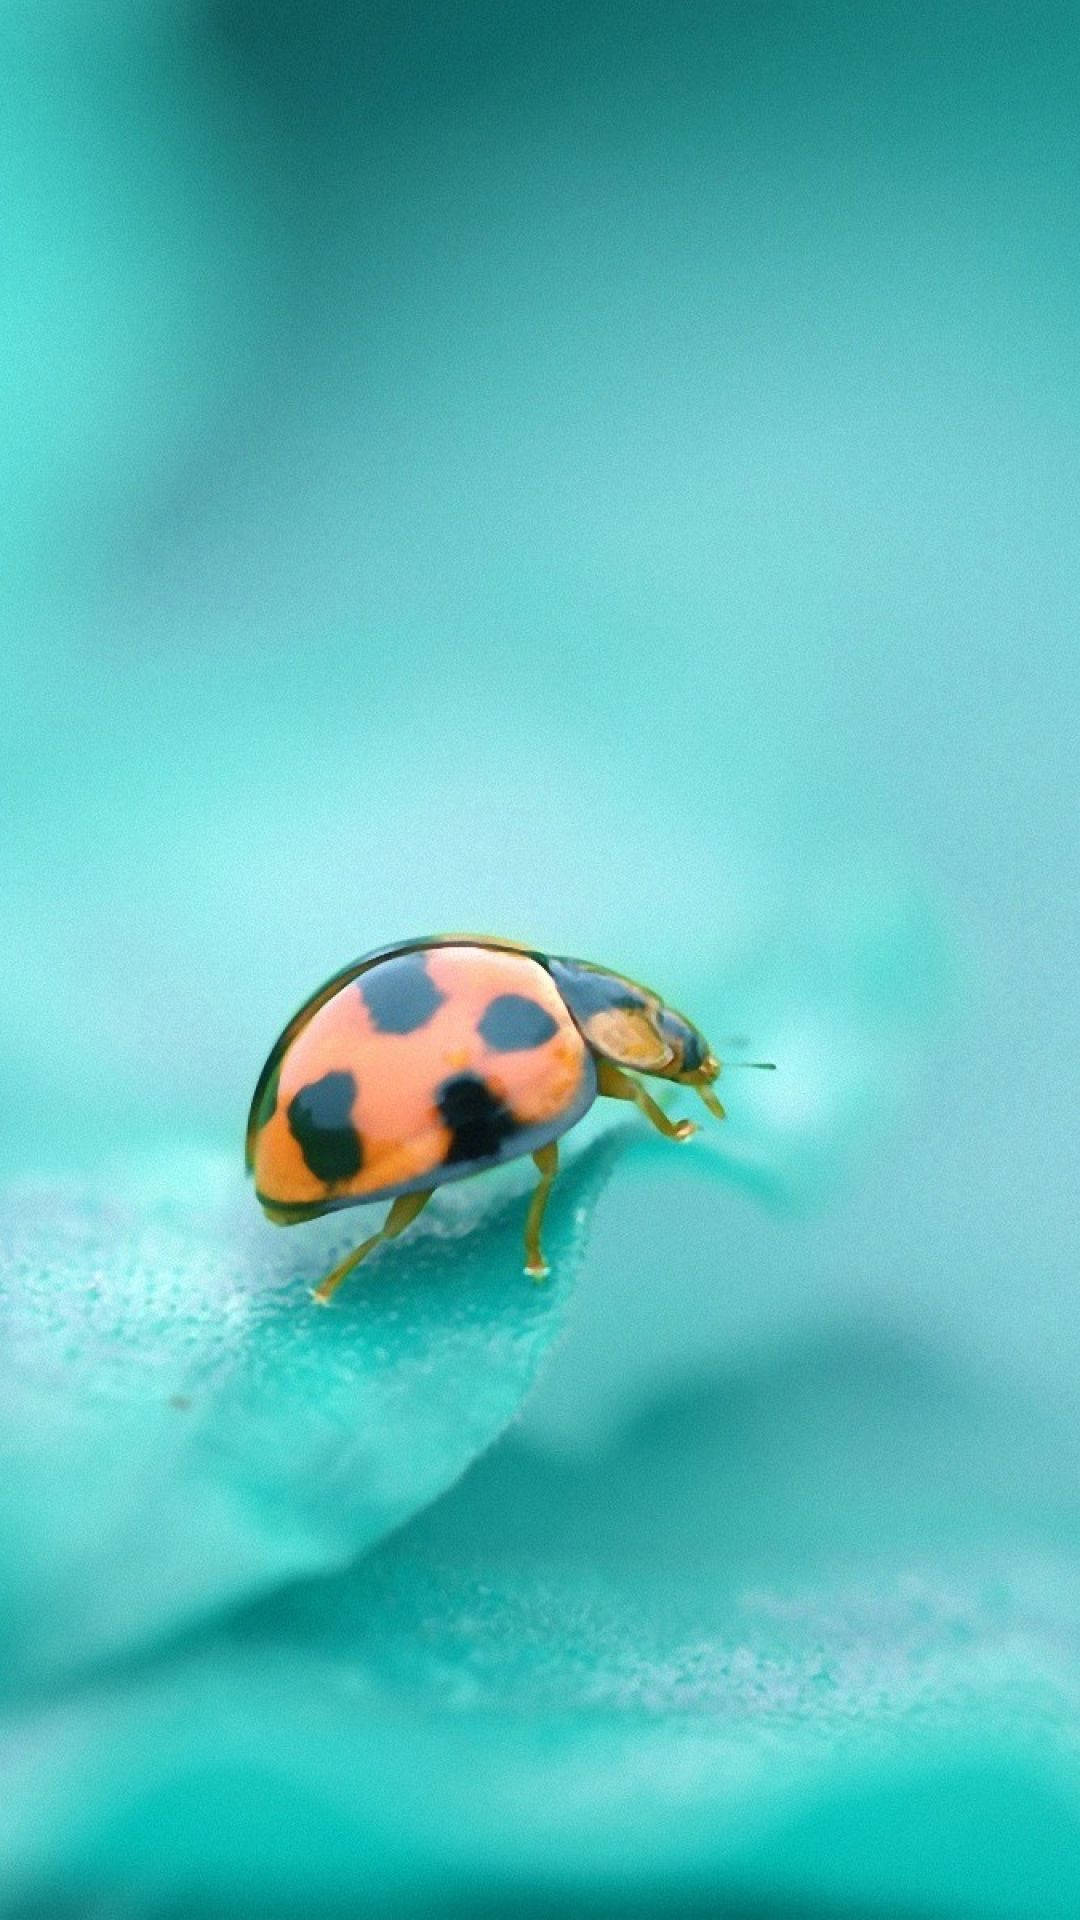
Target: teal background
<point x="606" y="474"/>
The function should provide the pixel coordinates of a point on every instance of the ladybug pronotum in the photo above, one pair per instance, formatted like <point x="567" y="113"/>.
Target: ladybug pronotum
<point x="438" y="1058"/>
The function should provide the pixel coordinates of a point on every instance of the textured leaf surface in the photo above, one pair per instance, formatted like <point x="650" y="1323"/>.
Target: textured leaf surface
<point x="182" y="1427"/>
<point x="801" y="1642"/>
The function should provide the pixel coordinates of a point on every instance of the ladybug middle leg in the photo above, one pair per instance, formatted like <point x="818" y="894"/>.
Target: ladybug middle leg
<point x="401" y="1214"/>
<point x="547" y="1161"/>
<point x="617" y="1085"/>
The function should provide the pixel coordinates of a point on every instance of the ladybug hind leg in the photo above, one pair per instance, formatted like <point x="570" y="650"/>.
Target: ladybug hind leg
<point x="617" y="1085"/>
<point x="547" y="1162"/>
<point x="401" y="1215"/>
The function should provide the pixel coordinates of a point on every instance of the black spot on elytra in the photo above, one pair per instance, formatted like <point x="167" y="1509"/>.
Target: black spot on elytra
<point x="400" y="994"/>
<point x="320" y="1120"/>
<point x="513" y="1022"/>
<point x="478" y="1120"/>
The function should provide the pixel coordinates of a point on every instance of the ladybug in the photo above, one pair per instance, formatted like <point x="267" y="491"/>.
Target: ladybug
<point x="437" y="1058"/>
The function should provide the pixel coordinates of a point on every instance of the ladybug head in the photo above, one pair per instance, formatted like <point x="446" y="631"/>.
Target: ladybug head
<point x="694" y="1064"/>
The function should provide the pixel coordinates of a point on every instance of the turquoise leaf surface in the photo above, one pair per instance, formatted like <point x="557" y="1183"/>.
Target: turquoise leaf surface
<point x="181" y="1427"/>
<point x="801" y="1642"/>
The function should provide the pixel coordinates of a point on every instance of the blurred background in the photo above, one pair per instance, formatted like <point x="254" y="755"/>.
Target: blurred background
<point x="603" y="473"/>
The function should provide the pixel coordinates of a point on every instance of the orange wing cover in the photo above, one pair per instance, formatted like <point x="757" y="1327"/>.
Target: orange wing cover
<point x="430" y="1065"/>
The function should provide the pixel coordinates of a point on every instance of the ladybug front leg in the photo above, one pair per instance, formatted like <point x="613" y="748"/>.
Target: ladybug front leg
<point x="402" y="1214"/>
<point x="617" y="1085"/>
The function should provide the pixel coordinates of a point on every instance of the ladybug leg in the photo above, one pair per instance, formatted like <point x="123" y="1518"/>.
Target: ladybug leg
<point x="401" y="1214"/>
<point x="547" y="1160"/>
<point x="617" y="1085"/>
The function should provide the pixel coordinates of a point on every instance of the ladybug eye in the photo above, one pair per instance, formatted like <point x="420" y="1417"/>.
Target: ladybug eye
<point x="686" y="1039"/>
